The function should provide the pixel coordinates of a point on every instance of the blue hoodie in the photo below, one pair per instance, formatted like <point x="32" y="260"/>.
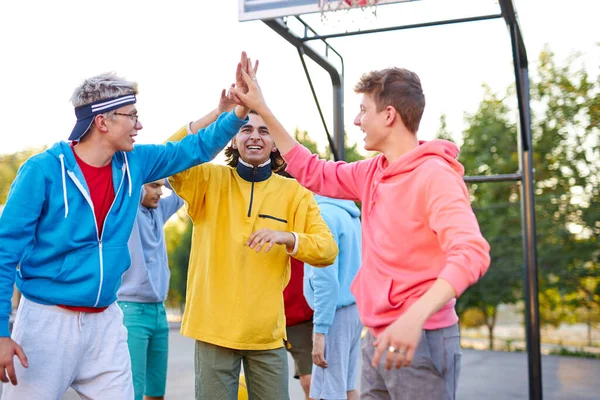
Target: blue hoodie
<point x="147" y="280"/>
<point x="48" y="226"/>
<point x="327" y="289"/>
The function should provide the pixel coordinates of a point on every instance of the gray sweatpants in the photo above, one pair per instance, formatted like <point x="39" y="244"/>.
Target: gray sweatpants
<point x="86" y="351"/>
<point x="433" y="374"/>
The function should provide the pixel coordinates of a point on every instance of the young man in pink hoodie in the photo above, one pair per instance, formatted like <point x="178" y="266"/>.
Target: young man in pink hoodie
<point x="422" y="246"/>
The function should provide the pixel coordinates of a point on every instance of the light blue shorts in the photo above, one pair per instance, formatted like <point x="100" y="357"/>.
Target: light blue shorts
<point x="342" y="352"/>
<point x="148" y="341"/>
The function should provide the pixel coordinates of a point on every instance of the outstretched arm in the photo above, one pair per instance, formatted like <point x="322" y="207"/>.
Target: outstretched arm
<point x="226" y="104"/>
<point x="160" y="161"/>
<point x="332" y="179"/>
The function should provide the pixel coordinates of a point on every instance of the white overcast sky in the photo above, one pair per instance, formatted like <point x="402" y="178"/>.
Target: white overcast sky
<point x="183" y="52"/>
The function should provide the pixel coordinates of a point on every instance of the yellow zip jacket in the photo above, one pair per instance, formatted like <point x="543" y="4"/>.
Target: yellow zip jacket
<point x="235" y="295"/>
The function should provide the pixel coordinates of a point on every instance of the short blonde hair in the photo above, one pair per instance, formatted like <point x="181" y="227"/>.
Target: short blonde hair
<point x="102" y="87"/>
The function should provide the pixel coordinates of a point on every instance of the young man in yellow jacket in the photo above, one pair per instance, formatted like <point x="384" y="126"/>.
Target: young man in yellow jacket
<point x="248" y="221"/>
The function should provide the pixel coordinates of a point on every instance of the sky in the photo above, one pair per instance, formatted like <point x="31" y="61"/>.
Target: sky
<point x="183" y="54"/>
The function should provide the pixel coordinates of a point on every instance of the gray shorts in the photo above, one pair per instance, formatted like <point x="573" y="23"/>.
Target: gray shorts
<point x="300" y="347"/>
<point x="433" y="374"/>
<point x="342" y="352"/>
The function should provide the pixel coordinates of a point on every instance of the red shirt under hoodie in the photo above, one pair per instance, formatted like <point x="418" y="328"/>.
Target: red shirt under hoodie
<point x="102" y="192"/>
<point x="297" y="309"/>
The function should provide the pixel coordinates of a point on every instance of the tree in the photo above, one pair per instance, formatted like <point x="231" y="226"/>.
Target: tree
<point x="567" y="163"/>
<point x="490" y="147"/>
<point x="352" y="152"/>
<point x="179" y="239"/>
<point x="566" y="139"/>
<point x="9" y="165"/>
<point x="443" y="133"/>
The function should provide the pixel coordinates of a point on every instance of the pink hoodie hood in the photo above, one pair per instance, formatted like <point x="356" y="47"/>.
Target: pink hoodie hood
<point x="418" y="226"/>
<point x="440" y="150"/>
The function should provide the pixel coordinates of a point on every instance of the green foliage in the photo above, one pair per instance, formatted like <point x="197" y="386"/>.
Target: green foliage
<point x="304" y="138"/>
<point x="9" y="165"/>
<point x="490" y="147"/>
<point x="179" y="239"/>
<point x="563" y="351"/>
<point x="443" y="133"/>
<point x="352" y="152"/>
<point x="566" y="139"/>
<point x="567" y="162"/>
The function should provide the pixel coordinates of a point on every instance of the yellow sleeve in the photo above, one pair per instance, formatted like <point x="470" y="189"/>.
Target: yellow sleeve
<point x="190" y="184"/>
<point x="180" y="134"/>
<point x="316" y="244"/>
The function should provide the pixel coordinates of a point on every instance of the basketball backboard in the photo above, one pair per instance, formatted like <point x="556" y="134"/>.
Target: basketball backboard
<point x="269" y="9"/>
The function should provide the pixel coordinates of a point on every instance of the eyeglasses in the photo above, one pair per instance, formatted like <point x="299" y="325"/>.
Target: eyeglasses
<point x="134" y="117"/>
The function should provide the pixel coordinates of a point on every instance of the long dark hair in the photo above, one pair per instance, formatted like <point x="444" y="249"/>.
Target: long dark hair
<point x="233" y="156"/>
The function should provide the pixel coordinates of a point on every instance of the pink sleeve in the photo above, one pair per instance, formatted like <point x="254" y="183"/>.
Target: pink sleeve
<point x="452" y="219"/>
<point x="339" y="180"/>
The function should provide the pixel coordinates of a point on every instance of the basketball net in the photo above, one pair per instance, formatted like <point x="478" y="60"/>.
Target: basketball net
<point x="348" y="14"/>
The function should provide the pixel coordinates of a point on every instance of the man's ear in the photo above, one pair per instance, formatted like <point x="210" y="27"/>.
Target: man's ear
<point x="234" y="143"/>
<point x="391" y="116"/>
<point x="274" y="149"/>
<point x="100" y="123"/>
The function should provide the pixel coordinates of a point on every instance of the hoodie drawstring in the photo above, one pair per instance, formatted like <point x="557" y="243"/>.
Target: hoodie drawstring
<point x="128" y="173"/>
<point x="64" y="182"/>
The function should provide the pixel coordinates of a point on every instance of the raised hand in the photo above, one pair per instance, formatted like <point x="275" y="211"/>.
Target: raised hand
<point x="253" y="98"/>
<point x="226" y="103"/>
<point x="245" y="64"/>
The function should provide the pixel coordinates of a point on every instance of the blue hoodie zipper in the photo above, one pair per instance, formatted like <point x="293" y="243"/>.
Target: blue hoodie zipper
<point x="98" y="235"/>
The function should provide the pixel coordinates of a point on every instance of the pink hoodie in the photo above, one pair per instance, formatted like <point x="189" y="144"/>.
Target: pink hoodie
<point x="417" y="224"/>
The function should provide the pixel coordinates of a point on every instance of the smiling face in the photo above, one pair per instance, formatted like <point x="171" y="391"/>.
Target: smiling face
<point x="254" y="142"/>
<point x="372" y="123"/>
<point x="153" y="192"/>
<point x="123" y="128"/>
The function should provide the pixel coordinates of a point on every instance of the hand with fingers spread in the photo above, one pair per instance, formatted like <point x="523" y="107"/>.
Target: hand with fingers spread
<point x="245" y="64"/>
<point x="268" y="237"/>
<point x="9" y="349"/>
<point x="226" y="103"/>
<point x="249" y="94"/>
<point x="318" y="351"/>
<point x="398" y="342"/>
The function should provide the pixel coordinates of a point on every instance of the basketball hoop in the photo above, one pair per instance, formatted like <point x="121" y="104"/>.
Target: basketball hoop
<point x="337" y="12"/>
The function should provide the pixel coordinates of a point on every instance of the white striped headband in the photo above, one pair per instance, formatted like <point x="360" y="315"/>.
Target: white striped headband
<point x="85" y="114"/>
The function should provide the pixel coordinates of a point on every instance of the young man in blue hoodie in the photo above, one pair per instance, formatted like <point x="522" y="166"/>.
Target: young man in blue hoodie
<point x="66" y="223"/>
<point x="337" y="327"/>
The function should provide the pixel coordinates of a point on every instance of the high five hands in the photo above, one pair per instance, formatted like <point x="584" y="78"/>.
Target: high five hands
<point x="247" y="92"/>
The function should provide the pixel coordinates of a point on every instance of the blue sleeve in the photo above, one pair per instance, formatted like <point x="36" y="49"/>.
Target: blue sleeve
<point x="161" y="161"/>
<point x="326" y="287"/>
<point x="169" y="205"/>
<point x="17" y="229"/>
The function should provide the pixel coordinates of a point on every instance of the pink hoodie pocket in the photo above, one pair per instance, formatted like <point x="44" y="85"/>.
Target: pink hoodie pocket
<point x="392" y="288"/>
<point x="375" y="298"/>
